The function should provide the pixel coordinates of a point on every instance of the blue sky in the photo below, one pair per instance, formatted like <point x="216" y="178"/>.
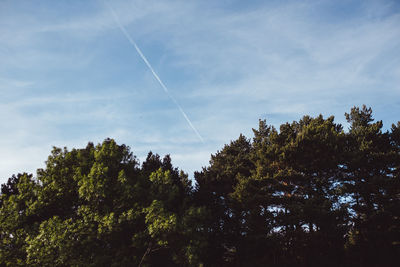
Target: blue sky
<point x="68" y="74"/>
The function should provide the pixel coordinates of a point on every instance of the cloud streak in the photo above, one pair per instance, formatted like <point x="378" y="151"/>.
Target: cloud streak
<point x="131" y="41"/>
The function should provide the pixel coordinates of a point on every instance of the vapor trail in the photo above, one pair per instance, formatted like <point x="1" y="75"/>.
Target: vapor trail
<point x="124" y="31"/>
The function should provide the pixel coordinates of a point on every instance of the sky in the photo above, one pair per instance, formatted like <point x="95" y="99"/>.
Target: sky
<point x="202" y="72"/>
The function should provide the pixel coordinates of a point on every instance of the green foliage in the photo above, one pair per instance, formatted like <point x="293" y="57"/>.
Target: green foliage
<point x="308" y="194"/>
<point x="93" y="207"/>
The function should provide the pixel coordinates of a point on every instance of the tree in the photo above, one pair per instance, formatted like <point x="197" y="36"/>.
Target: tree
<point x="372" y="184"/>
<point x="306" y="194"/>
<point x="94" y="207"/>
<point x="17" y="218"/>
<point x="215" y="186"/>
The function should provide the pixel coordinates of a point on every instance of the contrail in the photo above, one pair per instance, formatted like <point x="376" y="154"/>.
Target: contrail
<point x="124" y="31"/>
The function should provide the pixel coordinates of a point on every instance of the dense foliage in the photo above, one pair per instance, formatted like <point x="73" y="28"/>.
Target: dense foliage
<point x="308" y="194"/>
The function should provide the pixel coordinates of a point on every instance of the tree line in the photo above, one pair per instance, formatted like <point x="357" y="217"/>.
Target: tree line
<point x="308" y="194"/>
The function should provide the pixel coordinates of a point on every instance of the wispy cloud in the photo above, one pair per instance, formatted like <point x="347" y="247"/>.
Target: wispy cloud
<point x="68" y="76"/>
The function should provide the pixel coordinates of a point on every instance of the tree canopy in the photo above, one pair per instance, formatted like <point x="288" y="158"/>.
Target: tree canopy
<point x="308" y="194"/>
